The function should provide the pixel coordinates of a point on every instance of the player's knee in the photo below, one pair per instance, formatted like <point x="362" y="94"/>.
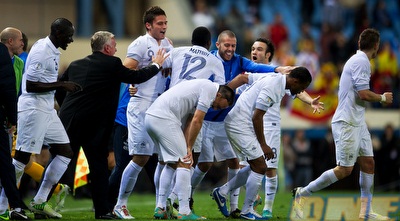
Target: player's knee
<point x="204" y="166"/>
<point x="342" y="172"/>
<point x="22" y="157"/>
<point x="62" y="150"/>
<point x="259" y="168"/>
<point x="367" y="164"/>
<point x="233" y="163"/>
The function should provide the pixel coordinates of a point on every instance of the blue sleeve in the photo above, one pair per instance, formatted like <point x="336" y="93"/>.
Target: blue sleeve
<point x="253" y="67"/>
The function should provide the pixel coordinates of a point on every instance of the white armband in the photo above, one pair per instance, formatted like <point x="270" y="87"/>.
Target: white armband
<point x="383" y="98"/>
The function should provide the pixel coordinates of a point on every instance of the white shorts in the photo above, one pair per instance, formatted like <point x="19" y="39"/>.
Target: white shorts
<point x="168" y="136"/>
<point x="139" y="141"/>
<point x="273" y="139"/>
<point x="36" y="127"/>
<point x="244" y="142"/>
<point x="351" y="142"/>
<point x="199" y="140"/>
<point x="215" y="143"/>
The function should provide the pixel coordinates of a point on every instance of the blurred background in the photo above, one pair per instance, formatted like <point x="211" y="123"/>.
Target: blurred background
<point x="318" y="34"/>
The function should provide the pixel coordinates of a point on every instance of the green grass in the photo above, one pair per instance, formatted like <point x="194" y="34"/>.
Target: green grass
<point x="141" y="206"/>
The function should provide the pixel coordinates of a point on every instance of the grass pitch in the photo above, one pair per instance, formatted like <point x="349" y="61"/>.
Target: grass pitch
<point x="141" y="206"/>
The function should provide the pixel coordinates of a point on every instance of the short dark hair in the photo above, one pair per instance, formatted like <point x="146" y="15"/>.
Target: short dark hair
<point x="60" y="24"/>
<point x="302" y="74"/>
<point x="227" y="93"/>
<point x="227" y="33"/>
<point x="201" y="36"/>
<point x="150" y="14"/>
<point x="368" y="38"/>
<point x="25" y="40"/>
<point x="270" y="47"/>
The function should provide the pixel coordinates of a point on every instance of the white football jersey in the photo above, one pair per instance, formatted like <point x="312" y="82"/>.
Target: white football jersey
<point x="194" y="62"/>
<point x="262" y="94"/>
<point x="177" y="102"/>
<point x="273" y="114"/>
<point x="41" y="66"/>
<point x="355" y="77"/>
<point x="143" y="49"/>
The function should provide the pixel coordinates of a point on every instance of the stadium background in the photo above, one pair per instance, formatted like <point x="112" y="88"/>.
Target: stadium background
<point x="306" y="24"/>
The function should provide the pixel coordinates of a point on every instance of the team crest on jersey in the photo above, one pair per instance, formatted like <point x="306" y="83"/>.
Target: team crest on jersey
<point x="364" y="74"/>
<point x="38" y="66"/>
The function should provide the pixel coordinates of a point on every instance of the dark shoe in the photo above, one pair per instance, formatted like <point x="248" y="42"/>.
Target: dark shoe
<point x="40" y="216"/>
<point x="235" y="214"/>
<point x="18" y="214"/>
<point x="108" y="216"/>
<point x="191" y="202"/>
<point x="176" y="206"/>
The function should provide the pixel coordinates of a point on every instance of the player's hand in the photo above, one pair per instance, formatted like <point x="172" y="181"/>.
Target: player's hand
<point x="160" y="57"/>
<point x="268" y="154"/>
<point x="132" y="90"/>
<point x="71" y="86"/>
<point x="188" y="158"/>
<point x="317" y="105"/>
<point x="284" y="69"/>
<point x="389" y="97"/>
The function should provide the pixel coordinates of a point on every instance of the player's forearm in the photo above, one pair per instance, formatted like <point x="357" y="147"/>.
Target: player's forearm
<point x="258" y="125"/>
<point x="238" y="81"/>
<point x="194" y="130"/>
<point x="305" y="97"/>
<point x="40" y="87"/>
<point x="370" y="96"/>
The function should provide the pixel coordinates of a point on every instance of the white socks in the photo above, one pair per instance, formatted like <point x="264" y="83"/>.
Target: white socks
<point x="271" y="185"/>
<point x="253" y="185"/>
<point x="3" y="201"/>
<point x="166" y="176"/>
<point x="326" y="179"/>
<point x="366" y="185"/>
<point x="197" y="177"/>
<point x="128" y="181"/>
<point x="236" y="182"/>
<point x="183" y="189"/>
<point x="52" y="175"/>
<point x="157" y="175"/>
<point x="19" y="170"/>
<point x="234" y="200"/>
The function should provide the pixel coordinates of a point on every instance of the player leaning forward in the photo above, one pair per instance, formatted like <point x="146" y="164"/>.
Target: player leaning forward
<point x="164" y="119"/>
<point x="245" y="129"/>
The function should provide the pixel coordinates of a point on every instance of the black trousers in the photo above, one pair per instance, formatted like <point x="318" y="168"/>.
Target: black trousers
<point x="7" y="172"/>
<point x="94" y="141"/>
<point x="122" y="159"/>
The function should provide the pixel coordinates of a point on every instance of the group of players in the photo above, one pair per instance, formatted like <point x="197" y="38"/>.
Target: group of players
<point x="249" y="132"/>
<point x="149" y="116"/>
<point x="194" y="120"/>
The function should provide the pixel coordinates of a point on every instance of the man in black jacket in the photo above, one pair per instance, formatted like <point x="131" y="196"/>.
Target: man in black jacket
<point x="8" y="119"/>
<point x="88" y="115"/>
